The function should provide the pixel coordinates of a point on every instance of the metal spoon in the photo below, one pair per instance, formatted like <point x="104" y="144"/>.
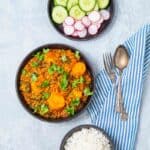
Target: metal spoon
<point x="121" y="59"/>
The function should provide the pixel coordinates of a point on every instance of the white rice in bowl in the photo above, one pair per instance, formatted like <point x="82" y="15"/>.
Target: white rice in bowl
<point x="87" y="139"/>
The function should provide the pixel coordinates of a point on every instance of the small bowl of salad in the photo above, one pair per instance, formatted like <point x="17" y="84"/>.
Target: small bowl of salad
<point x="80" y="19"/>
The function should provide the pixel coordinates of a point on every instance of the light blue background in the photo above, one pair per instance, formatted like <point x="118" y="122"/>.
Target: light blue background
<point x="24" y="25"/>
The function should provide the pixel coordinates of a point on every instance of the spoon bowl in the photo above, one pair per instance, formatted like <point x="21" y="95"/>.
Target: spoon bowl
<point x="121" y="58"/>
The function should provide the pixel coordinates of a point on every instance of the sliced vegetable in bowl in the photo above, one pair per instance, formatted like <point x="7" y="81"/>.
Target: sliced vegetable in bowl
<point x="59" y="14"/>
<point x="59" y="87"/>
<point x="87" y="5"/>
<point x="80" y="19"/>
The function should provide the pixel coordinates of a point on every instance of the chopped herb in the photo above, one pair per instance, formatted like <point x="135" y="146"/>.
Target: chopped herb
<point x="36" y="108"/>
<point x="46" y="50"/>
<point x="64" y="58"/>
<point x="87" y="92"/>
<point x="35" y="64"/>
<point x="75" y="102"/>
<point x="81" y="79"/>
<point x="77" y="81"/>
<point x="54" y="68"/>
<point x="43" y="109"/>
<point x="70" y="110"/>
<point x="24" y="72"/>
<point x="45" y="84"/>
<point x="39" y="56"/>
<point x="59" y="70"/>
<point x="64" y="81"/>
<point x="77" y="54"/>
<point x="34" y="77"/>
<point x="45" y="95"/>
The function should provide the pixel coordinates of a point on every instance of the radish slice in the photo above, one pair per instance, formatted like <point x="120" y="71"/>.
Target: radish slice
<point x="101" y="20"/>
<point x="94" y="16"/>
<point x="86" y="21"/>
<point x="82" y="33"/>
<point x="79" y="26"/>
<point x="92" y="29"/>
<point x="105" y="14"/>
<point x="97" y="24"/>
<point x="68" y="30"/>
<point x="69" y="21"/>
<point x="75" y="34"/>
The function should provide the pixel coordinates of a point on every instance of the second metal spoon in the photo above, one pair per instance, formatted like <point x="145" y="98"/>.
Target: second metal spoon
<point x="121" y="59"/>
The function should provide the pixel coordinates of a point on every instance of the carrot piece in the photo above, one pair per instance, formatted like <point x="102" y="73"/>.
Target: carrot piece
<point x="56" y="101"/>
<point x="78" y="69"/>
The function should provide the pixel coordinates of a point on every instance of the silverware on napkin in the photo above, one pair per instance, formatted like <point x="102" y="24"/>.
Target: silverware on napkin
<point x="120" y="62"/>
<point x="109" y="66"/>
<point x="121" y="59"/>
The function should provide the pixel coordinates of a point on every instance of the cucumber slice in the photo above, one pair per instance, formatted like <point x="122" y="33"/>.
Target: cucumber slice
<point x="59" y="14"/>
<point x="103" y="3"/>
<point x="76" y="12"/>
<point x="71" y="3"/>
<point x="96" y="8"/>
<point x="61" y="2"/>
<point x="87" y="5"/>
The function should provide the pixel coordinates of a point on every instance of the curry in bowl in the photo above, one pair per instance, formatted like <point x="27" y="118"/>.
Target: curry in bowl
<point x="55" y="83"/>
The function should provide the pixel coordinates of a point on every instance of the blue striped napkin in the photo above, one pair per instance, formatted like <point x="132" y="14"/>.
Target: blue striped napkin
<point x="102" y="108"/>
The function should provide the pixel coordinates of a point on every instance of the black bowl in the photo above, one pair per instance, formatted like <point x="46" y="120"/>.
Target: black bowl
<point x="60" y="30"/>
<point x="27" y="58"/>
<point x="79" y="128"/>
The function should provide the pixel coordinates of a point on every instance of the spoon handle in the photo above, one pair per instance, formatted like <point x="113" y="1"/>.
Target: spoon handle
<point x="119" y="95"/>
<point x="119" y="105"/>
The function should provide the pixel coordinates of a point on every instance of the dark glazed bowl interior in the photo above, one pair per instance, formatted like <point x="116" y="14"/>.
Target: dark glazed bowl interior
<point x="79" y="128"/>
<point x="24" y="62"/>
<point x="104" y="25"/>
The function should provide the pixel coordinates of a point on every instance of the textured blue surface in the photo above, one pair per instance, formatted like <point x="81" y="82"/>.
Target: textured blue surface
<point x="24" y="25"/>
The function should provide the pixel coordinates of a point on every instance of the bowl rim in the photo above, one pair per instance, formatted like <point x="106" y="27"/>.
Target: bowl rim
<point x="28" y="57"/>
<point x="78" y="128"/>
<point x="105" y="26"/>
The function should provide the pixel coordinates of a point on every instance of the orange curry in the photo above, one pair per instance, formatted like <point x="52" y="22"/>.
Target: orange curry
<point x="56" y="83"/>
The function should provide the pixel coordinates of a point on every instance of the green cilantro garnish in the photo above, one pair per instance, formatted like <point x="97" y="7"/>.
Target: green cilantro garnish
<point x="46" y="50"/>
<point x="54" y="68"/>
<point x="35" y="64"/>
<point x="77" y="54"/>
<point x="36" y="108"/>
<point x="64" y="58"/>
<point x="43" y="109"/>
<point x="64" y="81"/>
<point x="34" y="77"/>
<point x="87" y="92"/>
<point x="45" y="95"/>
<point x="60" y="70"/>
<point x="77" y="81"/>
<point x="39" y="56"/>
<point x="24" y="72"/>
<point x="75" y="102"/>
<point x="45" y="84"/>
<point x="70" y="110"/>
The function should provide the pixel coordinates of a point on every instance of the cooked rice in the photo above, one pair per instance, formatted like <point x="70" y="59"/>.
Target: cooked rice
<point x="87" y="139"/>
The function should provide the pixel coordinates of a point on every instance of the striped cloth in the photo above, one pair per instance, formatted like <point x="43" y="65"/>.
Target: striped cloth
<point x="102" y="107"/>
